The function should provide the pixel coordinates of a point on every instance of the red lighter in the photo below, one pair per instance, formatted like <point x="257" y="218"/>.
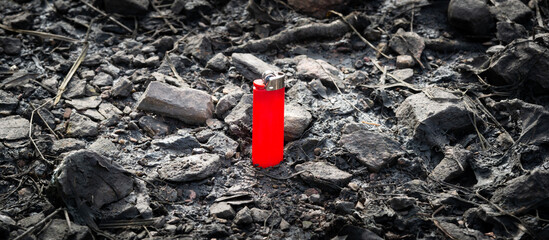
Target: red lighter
<point x="268" y="120"/>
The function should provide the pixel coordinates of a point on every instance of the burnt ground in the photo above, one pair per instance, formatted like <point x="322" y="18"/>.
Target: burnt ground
<point x="436" y="131"/>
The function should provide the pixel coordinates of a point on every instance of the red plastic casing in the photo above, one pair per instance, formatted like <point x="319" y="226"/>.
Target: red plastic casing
<point x="268" y="126"/>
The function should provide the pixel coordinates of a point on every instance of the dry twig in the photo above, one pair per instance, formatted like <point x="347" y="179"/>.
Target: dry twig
<point x="106" y="15"/>
<point x="39" y="34"/>
<point x="71" y="73"/>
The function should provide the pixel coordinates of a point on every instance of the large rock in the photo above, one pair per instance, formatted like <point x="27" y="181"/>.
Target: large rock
<point x="296" y="120"/>
<point x="240" y="118"/>
<point x="81" y="126"/>
<point x="13" y="128"/>
<point x="508" y="31"/>
<point x="372" y="149"/>
<point x="84" y="181"/>
<point x="309" y="69"/>
<point x="85" y="103"/>
<point x="191" y="168"/>
<point x="472" y="16"/>
<point x="8" y="103"/>
<point x="514" y="10"/>
<point x="433" y="115"/>
<point x="127" y="7"/>
<point x="317" y="8"/>
<point x="250" y="66"/>
<point x="525" y="192"/>
<point x="188" y="105"/>
<point x="508" y="67"/>
<point x="323" y="175"/>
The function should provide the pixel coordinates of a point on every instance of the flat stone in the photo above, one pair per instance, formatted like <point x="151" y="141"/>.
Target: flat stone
<point x="104" y="147"/>
<point x="524" y="193"/>
<point x="218" y="62"/>
<point x="372" y="149"/>
<point x="243" y="217"/>
<point x="240" y="118"/>
<point x="30" y="220"/>
<point x="67" y="144"/>
<point x="14" y="128"/>
<point x="250" y="66"/>
<point x="8" y="103"/>
<point x="85" y="103"/>
<point x="514" y="10"/>
<point x="402" y="203"/>
<point x="153" y="127"/>
<point x="81" y="126"/>
<point x="472" y="16"/>
<point x="102" y="79"/>
<point x="226" y="103"/>
<point x="200" y="47"/>
<point x="323" y="175"/>
<point x="85" y="174"/>
<point x="93" y="114"/>
<point x="223" y="145"/>
<point x="191" y="168"/>
<point x="178" y="143"/>
<point x="309" y="69"/>
<point x="403" y="74"/>
<point x="296" y="120"/>
<point x="453" y="164"/>
<point x="108" y="110"/>
<point x="434" y="116"/>
<point x="284" y="225"/>
<point x="76" y="88"/>
<point x="259" y="215"/>
<point x="188" y="105"/>
<point x="122" y="88"/>
<point x="127" y="7"/>
<point x="222" y="210"/>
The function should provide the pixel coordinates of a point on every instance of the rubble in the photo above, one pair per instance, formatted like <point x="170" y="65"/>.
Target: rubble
<point x="323" y="175"/>
<point x="296" y="120"/>
<point x="472" y="16"/>
<point x="191" y="168"/>
<point x="14" y="128"/>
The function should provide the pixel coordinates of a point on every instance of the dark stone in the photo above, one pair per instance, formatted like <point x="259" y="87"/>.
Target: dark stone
<point x="406" y="43"/>
<point x="508" y="32"/>
<point x="190" y="6"/>
<point x="11" y="46"/>
<point x="199" y="47"/>
<point x="523" y="193"/>
<point x="153" y="127"/>
<point x="514" y="10"/>
<point x="218" y="62"/>
<point x="8" y="103"/>
<point x="402" y="203"/>
<point x="223" y="145"/>
<point x="22" y="20"/>
<point x="226" y="103"/>
<point x="472" y="16"/>
<point x="81" y="126"/>
<point x="127" y="7"/>
<point x="67" y="144"/>
<point x="240" y="118"/>
<point x="309" y="69"/>
<point x="243" y="216"/>
<point x="372" y="149"/>
<point x="163" y="44"/>
<point x="178" y="143"/>
<point x="455" y="161"/>
<point x="122" y="88"/>
<point x="323" y="175"/>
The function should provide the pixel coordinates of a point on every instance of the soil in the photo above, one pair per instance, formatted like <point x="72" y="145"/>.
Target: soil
<point x="401" y="123"/>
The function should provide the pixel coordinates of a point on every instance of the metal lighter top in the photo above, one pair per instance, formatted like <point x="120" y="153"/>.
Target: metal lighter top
<point x="273" y="80"/>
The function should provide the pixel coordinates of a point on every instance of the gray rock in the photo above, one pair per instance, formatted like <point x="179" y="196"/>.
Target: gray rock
<point x="8" y="103"/>
<point x="102" y="79"/>
<point x="459" y="232"/>
<point x="403" y="74"/>
<point x="323" y="175"/>
<point x="67" y="144"/>
<point x="508" y="66"/>
<point x="11" y="46"/>
<point x="188" y="105"/>
<point x="222" y="210"/>
<point x="453" y="164"/>
<point x="406" y="43"/>
<point x="309" y="69"/>
<point x="178" y="143"/>
<point x="523" y="193"/>
<point x="104" y="147"/>
<point x="508" y="31"/>
<point x="433" y="115"/>
<point x="108" y="110"/>
<point x="223" y="145"/>
<point x="344" y="207"/>
<point x="204" y="135"/>
<point x="190" y="6"/>
<point x="84" y="181"/>
<point x="163" y="44"/>
<point x="240" y="118"/>
<point x="153" y="127"/>
<point x="58" y="229"/>
<point x="372" y="149"/>
<point x="199" y="47"/>
<point x="296" y="120"/>
<point x="226" y="103"/>
<point x="284" y="225"/>
<point x="514" y="10"/>
<point x="22" y="20"/>
<point x="218" y="62"/>
<point x="405" y="61"/>
<point x="243" y="217"/>
<point x="127" y="7"/>
<point x="81" y="126"/>
<point x="14" y="128"/>
<point x="85" y="103"/>
<point x="122" y="58"/>
<point x="122" y="88"/>
<point x="319" y="88"/>
<point x="472" y="16"/>
<point x="76" y="88"/>
<point x="30" y="220"/>
<point x="402" y="203"/>
<point x="191" y="168"/>
<point x="93" y="114"/>
<point x="259" y="215"/>
<point x="250" y="66"/>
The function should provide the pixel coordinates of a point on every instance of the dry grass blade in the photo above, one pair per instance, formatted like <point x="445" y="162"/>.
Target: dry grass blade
<point x="400" y="82"/>
<point x="71" y="73"/>
<point x="40" y="34"/>
<point x="164" y="18"/>
<point x="107" y="15"/>
<point x="360" y="35"/>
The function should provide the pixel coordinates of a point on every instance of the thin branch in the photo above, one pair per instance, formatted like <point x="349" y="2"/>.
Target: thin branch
<point x="106" y="15"/>
<point x="71" y="73"/>
<point x="39" y="34"/>
<point x="33" y="228"/>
